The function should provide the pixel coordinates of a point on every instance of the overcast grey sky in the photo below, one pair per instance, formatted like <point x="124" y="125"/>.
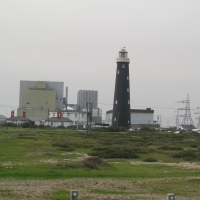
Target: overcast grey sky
<point x="77" y="42"/>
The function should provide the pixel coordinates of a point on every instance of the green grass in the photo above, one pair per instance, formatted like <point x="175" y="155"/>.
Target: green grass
<point x="36" y="154"/>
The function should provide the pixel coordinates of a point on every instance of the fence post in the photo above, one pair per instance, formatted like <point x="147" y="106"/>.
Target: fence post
<point x="74" y="195"/>
<point x="170" y="197"/>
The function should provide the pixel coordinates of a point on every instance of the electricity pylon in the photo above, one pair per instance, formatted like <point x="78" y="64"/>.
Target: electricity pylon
<point x="187" y="119"/>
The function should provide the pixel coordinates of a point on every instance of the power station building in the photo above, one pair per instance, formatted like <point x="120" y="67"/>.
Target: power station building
<point x="87" y="96"/>
<point x="87" y="100"/>
<point x="121" y="103"/>
<point x="37" y="98"/>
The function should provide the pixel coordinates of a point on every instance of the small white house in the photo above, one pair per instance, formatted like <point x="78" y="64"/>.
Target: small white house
<point x="17" y="120"/>
<point x="77" y="117"/>
<point x="58" y="121"/>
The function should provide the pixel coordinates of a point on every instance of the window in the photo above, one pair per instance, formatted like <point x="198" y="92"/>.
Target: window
<point x="118" y="72"/>
<point x="53" y="114"/>
<point x="128" y="101"/>
<point x="68" y="114"/>
<point x="128" y="121"/>
<point x="115" y="101"/>
<point x="115" y="119"/>
<point x="127" y="78"/>
<point x="123" y="65"/>
<point x="127" y="89"/>
<point x="75" y="115"/>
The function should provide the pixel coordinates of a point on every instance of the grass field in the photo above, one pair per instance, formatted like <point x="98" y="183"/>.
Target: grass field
<point x="47" y="164"/>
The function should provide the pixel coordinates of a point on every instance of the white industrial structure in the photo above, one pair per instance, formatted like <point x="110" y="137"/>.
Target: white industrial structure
<point x="87" y="96"/>
<point x="139" y="117"/>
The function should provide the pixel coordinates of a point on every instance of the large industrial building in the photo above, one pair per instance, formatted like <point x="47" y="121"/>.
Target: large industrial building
<point x="36" y="98"/>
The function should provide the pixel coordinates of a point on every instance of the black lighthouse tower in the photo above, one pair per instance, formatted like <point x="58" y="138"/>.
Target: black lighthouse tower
<point x="121" y="104"/>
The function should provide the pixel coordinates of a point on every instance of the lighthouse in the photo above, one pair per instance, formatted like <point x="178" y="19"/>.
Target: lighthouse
<point x="121" y="103"/>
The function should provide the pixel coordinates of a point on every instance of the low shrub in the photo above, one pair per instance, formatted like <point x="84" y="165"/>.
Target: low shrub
<point x="27" y="124"/>
<point x="148" y="129"/>
<point x="194" y="145"/>
<point x="187" y="155"/>
<point x="92" y="163"/>
<point x="114" y="152"/>
<point x="41" y="126"/>
<point x="63" y="146"/>
<point x="89" y="163"/>
<point x="9" y="124"/>
<point x="167" y="147"/>
<point x="109" y="129"/>
<point x="150" y="160"/>
<point x="61" y="126"/>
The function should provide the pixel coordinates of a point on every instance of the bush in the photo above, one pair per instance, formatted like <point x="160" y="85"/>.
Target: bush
<point x="92" y="163"/>
<point x="148" y="129"/>
<point x="114" y="152"/>
<point x="61" y="126"/>
<point x="63" y="146"/>
<point x="194" y="145"/>
<point x="41" y="126"/>
<point x="9" y="124"/>
<point x="27" y="124"/>
<point x="167" y="147"/>
<point x="109" y="129"/>
<point x="150" y="160"/>
<point x="187" y="155"/>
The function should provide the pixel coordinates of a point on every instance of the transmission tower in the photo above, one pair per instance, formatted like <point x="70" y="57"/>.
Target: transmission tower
<point x="187" y="119"/>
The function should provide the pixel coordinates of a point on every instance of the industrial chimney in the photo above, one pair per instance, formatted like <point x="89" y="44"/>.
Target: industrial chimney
<point x="24" y="114"/>
<point x="12" y="113"/>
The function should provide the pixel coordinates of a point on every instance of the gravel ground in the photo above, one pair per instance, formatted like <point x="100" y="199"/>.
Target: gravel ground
<point x="119" y="189"/>
<point x="42" y="189"/>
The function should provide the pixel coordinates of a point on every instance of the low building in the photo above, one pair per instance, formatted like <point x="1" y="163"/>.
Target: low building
<point x="77" y="117"/>
<point x="17" y="119"/>
<point x="139" y="118"/>
<point x="186" y="127"/>
<point x="2" y="119"/>
<point x="59" y="121"/>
